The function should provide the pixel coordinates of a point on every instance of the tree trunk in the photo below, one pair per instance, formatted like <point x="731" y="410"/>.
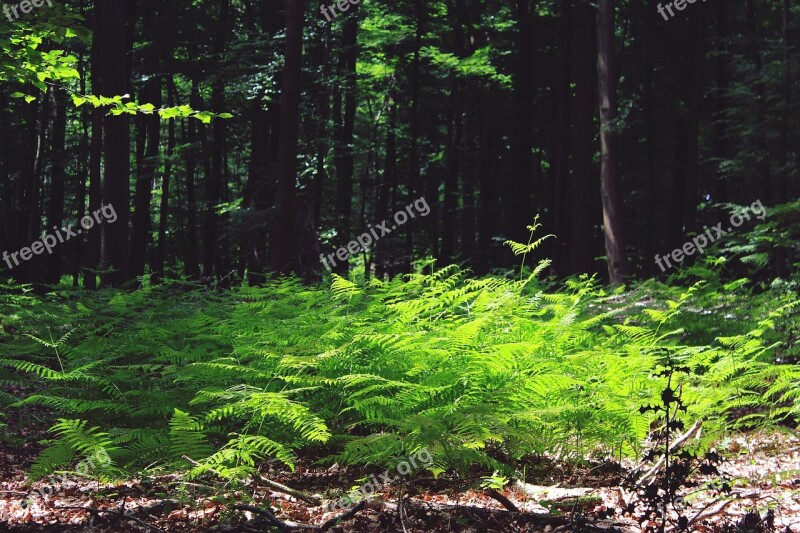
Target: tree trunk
<point x="698" y="67"/>
<point x="584" y="187"/>
<point x="283" y="250"/>
<point x="55" y="214"/>
<point x="721" y="102"/>
<point x="609" y="168"/>
<point x="414" y="171"/>
<point x="344" y="158"/>
<point x="163" y="218"/>
<point x="762" y="149"/>
<point x="519" y="193"/>
<point x="385" y="188"/>
<point x="212" y="262"/>
<point x="115" y="68"/>
<point x="560" y="166"/>
<point x="95" y="149"/>
<point x="191" y="255"/>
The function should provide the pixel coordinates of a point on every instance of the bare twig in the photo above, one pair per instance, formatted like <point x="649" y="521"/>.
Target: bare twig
<point x="274" y="485"/>
<point x="508" y="504"/>
<point x="94" y="511"/>
<point x="287" y="526"/>
<point x="266" y="513"/>
<point x="702" y="514"/>
<point x="675" y="445"/>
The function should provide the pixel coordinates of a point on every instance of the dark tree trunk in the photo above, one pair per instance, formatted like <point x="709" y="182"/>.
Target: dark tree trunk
<point x="191" y="256"/>
<point x="652" y="233"/>
<point x="584" y="187"/>
<point x="31" y="270"/>
<point x="762" y="149"/>
<point x="385" y="188"/>
<point x="95" y="149"/>
<point x="163" y="218"/>
<point x="345" y="127"/>
<point x="414" y="171"/>
<point x="115" y="67"/>
<point x="283" y="249"/>
<point x="519" y="193"/>
<point x="148" y="142"/>
<point x="255" y="194"/>
<point x="55" y="213"/>
<point x="781" y="264"/>
<point x="721" y="102"/>
<point x="613" y="221"/>
<point x="212" y="261"/>
<point x="698" y="66"/>
<point x="560" y="165"/>
<point x="79" y="251"/>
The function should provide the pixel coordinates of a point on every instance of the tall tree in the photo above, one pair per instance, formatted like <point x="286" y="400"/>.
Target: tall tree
<point x="344" y="128"/>
<point x="282" y="242"/>
<point x="560" y="166"/>
<point x="58" y="175"/>
<point x="148" y="143"/>
<point x="583" y="186"/>
<point x="616" y="254"/>
<point x="519" y="193"/>
<point x="115" y="42"/>
<point x="212" y="262"/>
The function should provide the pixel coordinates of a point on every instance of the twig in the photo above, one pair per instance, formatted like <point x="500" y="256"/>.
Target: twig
<point x="92" y="510"/>
<point x="401" y="510"/>
<point x="15" y="493"/>
<point x="266" y="513"/>
<point x="675" y="445"/>
<point x="287" y="527"/>
<point x="274" y="485"/>
<point x="702" y="515"/>
<point x="344" y="516"/>
<point x="508" y="504"/>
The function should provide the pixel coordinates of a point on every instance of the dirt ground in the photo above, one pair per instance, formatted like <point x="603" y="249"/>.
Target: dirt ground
<point x="764" y="469"/>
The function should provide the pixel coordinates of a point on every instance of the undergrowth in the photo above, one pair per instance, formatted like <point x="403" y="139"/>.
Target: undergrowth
<point x="477" y="371"/>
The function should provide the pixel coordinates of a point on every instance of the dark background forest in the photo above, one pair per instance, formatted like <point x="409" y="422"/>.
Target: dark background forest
<point x="489" y="110"/>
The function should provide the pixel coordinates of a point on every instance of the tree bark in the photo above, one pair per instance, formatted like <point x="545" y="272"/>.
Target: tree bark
<point x="562" y="92"/>
<point x="345" y="126"/>
<point x="584" y="187"/>
<point x="212" y="262"/>
<point x="55" y="214"/>
<point x="283" y="249"/>
<point x="191" y="256"/>
<point x="609" y="169"/>
<point x="519" y="193"/>
<point x="115" y="67"/>
<point x="93" y="241"/>
<point x="163" y="218"/>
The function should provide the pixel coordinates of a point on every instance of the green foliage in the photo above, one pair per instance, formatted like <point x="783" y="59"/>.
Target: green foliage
<point x="478" y="371"/>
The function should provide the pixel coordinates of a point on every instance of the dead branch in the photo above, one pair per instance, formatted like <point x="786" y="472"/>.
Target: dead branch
<point x="287" y="526"/>
<point x="673" y="447"/>
<point x="119" y="513"/>
<point x="508" y="504"/>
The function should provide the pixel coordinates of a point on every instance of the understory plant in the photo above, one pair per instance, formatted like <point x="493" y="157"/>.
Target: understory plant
<point x="481" y="372"/>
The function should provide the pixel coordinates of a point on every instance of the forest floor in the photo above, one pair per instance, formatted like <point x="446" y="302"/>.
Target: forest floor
<point x="764" y="469"/>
